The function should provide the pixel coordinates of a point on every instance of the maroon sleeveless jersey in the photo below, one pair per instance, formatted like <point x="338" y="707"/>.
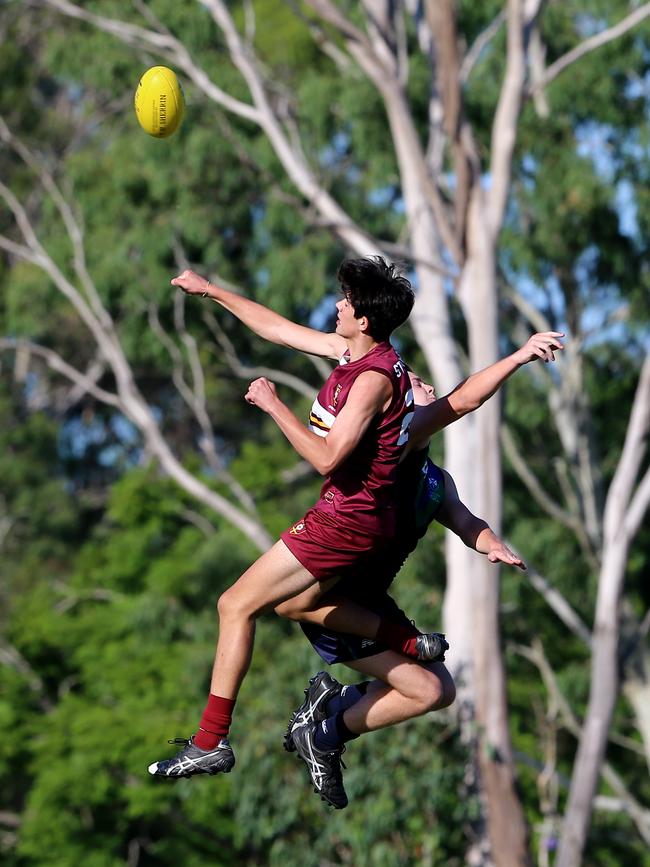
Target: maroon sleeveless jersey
<point x="361" y="492"/>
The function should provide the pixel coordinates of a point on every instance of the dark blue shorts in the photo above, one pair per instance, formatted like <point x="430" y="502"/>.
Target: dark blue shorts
<point x="342" y="647"/>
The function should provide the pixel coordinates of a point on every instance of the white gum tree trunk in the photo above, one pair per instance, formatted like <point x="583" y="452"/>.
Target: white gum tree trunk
<point x="476" y="449"/>
<point x="627" y="503"/>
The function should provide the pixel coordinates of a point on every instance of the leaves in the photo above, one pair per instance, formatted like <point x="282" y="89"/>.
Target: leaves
<point x="110" y="572"/>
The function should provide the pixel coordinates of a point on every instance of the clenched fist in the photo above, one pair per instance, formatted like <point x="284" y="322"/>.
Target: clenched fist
<point x="261" y="393"/>
<point x="191" y="283"/>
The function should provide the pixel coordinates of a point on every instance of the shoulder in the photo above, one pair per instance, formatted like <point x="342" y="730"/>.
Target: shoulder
<point x="372" y="388"/>
<point x="374" y="380"/>
<point x="441" y="476"/>
<point x="451" y="491"/>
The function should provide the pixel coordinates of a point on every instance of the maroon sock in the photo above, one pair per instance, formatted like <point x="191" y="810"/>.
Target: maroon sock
<point x="215" y="722"/>
<point x="398" y="637"/>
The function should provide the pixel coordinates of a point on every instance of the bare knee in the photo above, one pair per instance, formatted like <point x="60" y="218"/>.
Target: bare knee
<point x="432" y="696"/>
<point x="223" y="605"/>
<point x="231" y="605"/>
<point x="435" y="691"/>
<point x="423" y="693"/>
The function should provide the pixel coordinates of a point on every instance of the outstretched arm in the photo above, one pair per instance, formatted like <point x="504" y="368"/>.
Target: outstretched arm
<point x="264" y="322"/>
<point x="474" y="531"/>
<point x="477" y="388"/>
<point x="368" y="396"/>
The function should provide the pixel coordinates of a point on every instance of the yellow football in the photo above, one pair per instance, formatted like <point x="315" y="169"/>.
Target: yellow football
<point x="159" y="102"/>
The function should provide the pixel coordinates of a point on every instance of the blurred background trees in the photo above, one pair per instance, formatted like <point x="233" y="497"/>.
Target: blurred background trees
<point x="501" y="151"/>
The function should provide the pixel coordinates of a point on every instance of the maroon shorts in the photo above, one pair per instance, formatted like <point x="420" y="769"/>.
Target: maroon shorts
<point x="327" y="548"/>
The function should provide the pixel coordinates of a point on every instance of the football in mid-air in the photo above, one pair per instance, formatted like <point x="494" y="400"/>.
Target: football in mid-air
<point x="159" y="102"/>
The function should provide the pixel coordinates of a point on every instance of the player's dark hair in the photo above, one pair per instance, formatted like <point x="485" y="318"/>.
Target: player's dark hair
<point x="378" y="291"/>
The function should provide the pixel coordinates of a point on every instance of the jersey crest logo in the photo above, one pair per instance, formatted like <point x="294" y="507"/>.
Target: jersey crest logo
<point x="335" y="399"/>
<point x="297" y="528"/>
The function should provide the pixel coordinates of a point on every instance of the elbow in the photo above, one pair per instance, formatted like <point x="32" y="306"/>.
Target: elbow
<point x="466" y="405"/>
<point x="326" y="467"/>
<point x="322" y="467"/>
<point x="327" y="462"/>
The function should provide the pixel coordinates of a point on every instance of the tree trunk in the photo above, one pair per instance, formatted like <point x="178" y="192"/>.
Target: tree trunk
<point x="505" y="820"/>
<point x="591" y="752"/>
<point x="626" y="505"/>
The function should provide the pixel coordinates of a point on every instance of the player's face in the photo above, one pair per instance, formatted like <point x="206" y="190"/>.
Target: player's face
<point x="423" y="392"/>
<point x="346" y="323"/>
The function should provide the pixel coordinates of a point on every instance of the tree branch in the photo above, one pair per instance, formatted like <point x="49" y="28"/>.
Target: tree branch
<point x="194" y="397"/>
<point x="520" y="15"/>
<point x="292" y="158"/>
<point x="128" y="399"/>
<point x="12" y="658"/>
<point x="161" y="43"/>
<point x="199" y="521"/>
<point x="10" y="820"/>
<point x="560" y="606"/>
<point x="533" y="486"/>
<point x="75" y="233"/>
<point x="638" y="506"/>
<point x="54" y="361"/>
<point x="375" y="62"/>
<point x="249" y="373"/>
<point x="484" y="38"/>
<point x="639" y="814"/>
<point x="599" y="39"/>
<point x="320" y="37"/>
<point x="634" y="448"/>
<point x="37" y="255"/>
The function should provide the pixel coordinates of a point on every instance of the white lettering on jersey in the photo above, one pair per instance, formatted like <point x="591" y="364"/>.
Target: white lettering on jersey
<point x="406" y="421"/>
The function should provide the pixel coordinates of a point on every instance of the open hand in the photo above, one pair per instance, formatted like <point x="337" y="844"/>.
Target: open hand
<point x="500" y="553"/>
<point x="541" y="345"/>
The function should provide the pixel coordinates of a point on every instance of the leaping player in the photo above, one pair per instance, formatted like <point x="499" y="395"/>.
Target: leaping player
<point x="366" y="406"/>
<point x="332" y="714"/>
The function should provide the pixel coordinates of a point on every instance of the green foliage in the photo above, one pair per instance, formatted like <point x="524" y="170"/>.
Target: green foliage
<point x="131" y="637"/>
<point x="109" y="574"/>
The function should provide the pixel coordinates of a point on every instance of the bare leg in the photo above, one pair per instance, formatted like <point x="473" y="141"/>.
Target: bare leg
<point x="274" y="577"/>
<point x="403" y="689"/>
<point x="337" y="612"/>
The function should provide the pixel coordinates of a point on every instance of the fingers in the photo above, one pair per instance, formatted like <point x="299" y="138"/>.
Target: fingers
<point x="177" y="281"/>
<point x="546" y="343"/>
<point x="505" y="555"/>
<point x="249" y="397"/>
<point x="260" y="391"/>
<point x="190" y="282"/>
